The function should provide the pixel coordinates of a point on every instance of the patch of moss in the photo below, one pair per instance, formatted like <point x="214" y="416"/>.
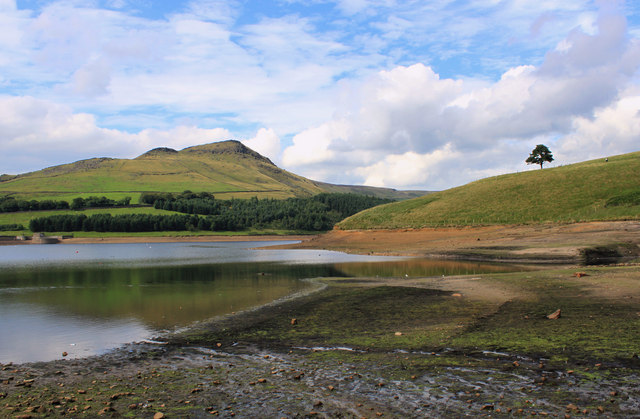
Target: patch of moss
<point x="379" y="318"/>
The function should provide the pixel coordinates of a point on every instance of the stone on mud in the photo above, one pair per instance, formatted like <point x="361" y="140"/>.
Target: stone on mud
<point x="555" y="315"/>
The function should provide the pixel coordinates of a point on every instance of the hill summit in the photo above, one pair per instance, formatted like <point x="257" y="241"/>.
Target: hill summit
<point x="228" y="169"/>
<point x="596" y="190"/>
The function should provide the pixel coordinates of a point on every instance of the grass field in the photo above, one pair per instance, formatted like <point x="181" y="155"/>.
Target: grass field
<point x="573" y="193"/>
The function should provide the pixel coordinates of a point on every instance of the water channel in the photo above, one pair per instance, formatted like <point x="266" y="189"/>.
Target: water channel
<point x="87" y="299"/>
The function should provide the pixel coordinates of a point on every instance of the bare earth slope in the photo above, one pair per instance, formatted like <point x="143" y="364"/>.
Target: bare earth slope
<point x="544" y="242"/>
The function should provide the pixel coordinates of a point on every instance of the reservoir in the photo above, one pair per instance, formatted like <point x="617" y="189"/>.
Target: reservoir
<point x="85" y="299"/>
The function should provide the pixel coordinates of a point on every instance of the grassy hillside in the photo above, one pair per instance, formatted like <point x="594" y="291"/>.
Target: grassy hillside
<point x="592" y="190"/>
<point x="227" y="168"/>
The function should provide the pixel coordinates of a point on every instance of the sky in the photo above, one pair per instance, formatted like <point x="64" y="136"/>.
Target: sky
<point x="404" y="94"/>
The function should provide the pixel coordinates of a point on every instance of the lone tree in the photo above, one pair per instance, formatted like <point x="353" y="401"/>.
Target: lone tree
<point x="539" y="155"/>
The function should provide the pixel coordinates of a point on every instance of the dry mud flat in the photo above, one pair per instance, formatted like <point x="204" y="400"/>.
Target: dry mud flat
<point x="534" y="243"/>
<point x="460" y="346"/>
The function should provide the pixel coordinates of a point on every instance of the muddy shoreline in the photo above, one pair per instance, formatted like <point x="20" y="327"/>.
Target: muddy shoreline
<point x="528" y="243"/>
<point x="166" y="239"/>
<point x="540" y="243"/>
<point x="460" y="346"/>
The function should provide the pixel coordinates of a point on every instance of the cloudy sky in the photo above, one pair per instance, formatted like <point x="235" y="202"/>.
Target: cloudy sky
<point x="405" y="94"/>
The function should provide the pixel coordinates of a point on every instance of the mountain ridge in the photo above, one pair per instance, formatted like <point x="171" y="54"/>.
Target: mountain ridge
<point x="225" y="168"/>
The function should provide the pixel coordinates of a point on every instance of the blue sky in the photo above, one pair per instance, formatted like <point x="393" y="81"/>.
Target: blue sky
<point x="403" y="94"/>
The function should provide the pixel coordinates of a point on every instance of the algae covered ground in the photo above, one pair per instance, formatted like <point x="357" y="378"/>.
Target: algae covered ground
<point x="375" y="347"/>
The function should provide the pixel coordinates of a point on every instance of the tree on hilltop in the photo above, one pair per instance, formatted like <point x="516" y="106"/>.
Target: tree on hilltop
<point x="539" y="155"/>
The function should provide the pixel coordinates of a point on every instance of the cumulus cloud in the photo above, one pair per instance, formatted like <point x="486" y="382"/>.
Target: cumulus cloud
<point x="409" y="169"/>
<point x="613" y="130"/>
<point x="53" y="134"/>
<point x="403" y="94"/>
<point x="410" y="124"/>
<point x="266" y="142"/>
<point x="273" y="72"/>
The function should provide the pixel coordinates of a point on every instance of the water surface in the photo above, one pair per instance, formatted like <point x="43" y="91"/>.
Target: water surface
<point x="86" y="299"/>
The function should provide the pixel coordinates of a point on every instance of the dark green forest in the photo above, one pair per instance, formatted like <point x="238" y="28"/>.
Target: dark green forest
<point x="205" y="213"/>
<point x="11" y="227"/>
<point x="10" y="204"/>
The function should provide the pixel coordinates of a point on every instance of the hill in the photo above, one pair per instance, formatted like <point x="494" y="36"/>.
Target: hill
<point x="587" y="191"/>
<point x="228" y="169"/>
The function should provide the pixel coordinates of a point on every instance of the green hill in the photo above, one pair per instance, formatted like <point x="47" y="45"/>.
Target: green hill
<point x="588" y="191"/>
<point x="227" y="169"/>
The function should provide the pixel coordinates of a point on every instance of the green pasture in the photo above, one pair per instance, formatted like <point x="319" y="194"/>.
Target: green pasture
<point x="220" y="168"/>
<point x="573" y="193"/>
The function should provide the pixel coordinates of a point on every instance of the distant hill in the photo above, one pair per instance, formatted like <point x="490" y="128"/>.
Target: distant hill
<point x="371" y="190"/>
<point x="588" y="191"/>
<point x="227" y="169"/>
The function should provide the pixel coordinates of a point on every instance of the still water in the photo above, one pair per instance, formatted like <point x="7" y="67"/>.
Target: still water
<point x="87" y="299"/>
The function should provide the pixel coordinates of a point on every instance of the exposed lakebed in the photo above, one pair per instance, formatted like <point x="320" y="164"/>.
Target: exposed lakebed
<point x="383" y="338"/>
<point x="85" y="299"/>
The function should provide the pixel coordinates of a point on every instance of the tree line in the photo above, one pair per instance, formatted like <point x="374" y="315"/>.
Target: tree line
<point x="11" y="227"/>
<point x="114" y="223"/>
<point x="205" y="213"/>
<point x="98" y="202"/>
<point x="317" y="213"/>
<point x="11" y="204"/>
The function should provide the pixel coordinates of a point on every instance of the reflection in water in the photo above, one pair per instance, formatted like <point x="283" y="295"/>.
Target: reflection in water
<point x="159" y="297"/>
<point x="52" y="303"/>
<point x="85" y="310"/>
<point x="420" y="268"/>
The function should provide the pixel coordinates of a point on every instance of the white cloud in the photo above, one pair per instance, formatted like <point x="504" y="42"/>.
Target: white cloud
<point x="266" y="142"/>
<point x="54" y="134"/>
<point x="313" y="145"/>
<point x="8" y="5"/>
<point x="614" y="129"/>
<point x="410" y="169"/>
<point x="443" y="92"/>
<point x="408" y="121"/>
<point x="93" y="79"/>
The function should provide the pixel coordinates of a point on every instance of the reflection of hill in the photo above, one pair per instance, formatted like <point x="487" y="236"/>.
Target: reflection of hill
<point x="160" y="297"/>
<point x="169" y="296"/>
<point x="419" y="268"/>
